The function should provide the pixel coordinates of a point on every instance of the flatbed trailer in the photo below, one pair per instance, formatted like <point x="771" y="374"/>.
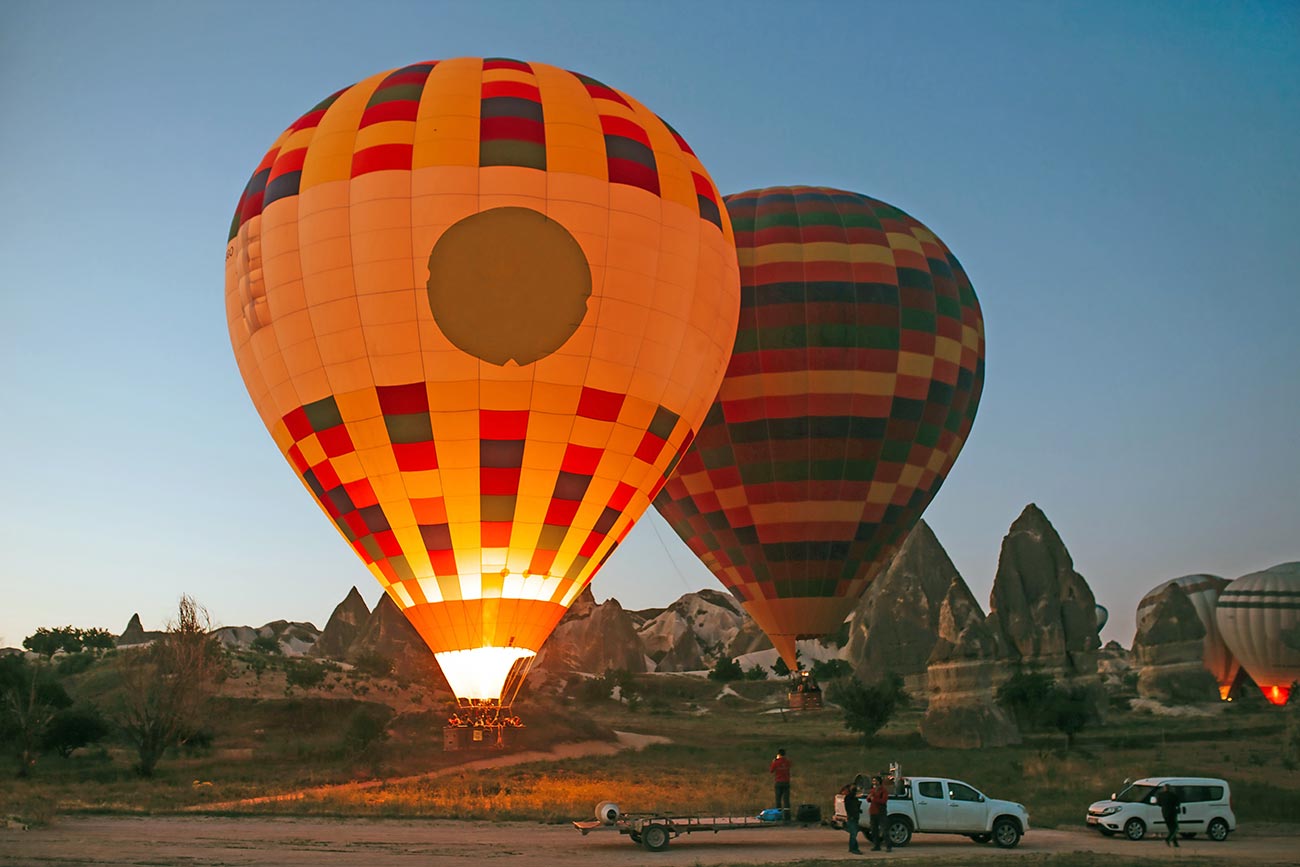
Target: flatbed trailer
<point x="655" y="830"/>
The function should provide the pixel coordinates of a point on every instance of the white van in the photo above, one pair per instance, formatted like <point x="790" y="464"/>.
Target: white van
<point x="1206" y="809"/>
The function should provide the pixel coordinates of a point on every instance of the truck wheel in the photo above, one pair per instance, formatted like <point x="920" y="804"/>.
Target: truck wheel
<point x="654" y="838"/>
<point x="899" y="832"/>
<point x="982" y="838"/>
<point x="1006" y="833"/>
<point x="1135" y="829"/>
<point x="1217" y="830"/>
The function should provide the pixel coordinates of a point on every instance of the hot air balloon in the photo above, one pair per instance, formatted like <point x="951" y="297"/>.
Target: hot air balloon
<point x="1203" y="592"/>
<point x="1103" y="615"/>
<point x="857" y="370"/>
<point x="1259" y="617"/>
<point x="481" y="305"/>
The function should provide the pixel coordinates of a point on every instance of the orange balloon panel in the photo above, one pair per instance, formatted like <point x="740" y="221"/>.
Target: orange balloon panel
<point x="482" y="306"/>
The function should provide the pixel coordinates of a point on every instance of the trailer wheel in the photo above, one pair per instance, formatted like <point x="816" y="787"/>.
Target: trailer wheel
<point x="655" y="838"/>
<point x="636" y="837"/>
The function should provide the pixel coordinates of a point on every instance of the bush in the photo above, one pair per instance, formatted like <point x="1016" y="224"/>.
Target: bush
<point x="726" y="671"/>
<point x="267" y="644"/>
<point x="365" y="728"/>
<point x="74" y="727"/>
<point x="756" y="673"/>
<point x="867" y="708"/>
<point x="1025" y="695"/>
<point x="73" y="663"/>
<point x="374" y="664"/>
<point x="830" y="669"/>
<point x="304" y="675"/>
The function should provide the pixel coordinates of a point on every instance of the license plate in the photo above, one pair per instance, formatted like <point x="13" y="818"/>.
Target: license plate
<point x="1092" y="820"/>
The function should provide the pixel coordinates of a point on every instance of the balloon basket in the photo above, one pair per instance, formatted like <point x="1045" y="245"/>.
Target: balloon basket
<point x="805" y="693"/>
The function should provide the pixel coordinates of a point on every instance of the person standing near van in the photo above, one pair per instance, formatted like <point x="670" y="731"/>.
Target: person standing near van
<point x="1170" y="803"/>
<point x="780" y="771"/>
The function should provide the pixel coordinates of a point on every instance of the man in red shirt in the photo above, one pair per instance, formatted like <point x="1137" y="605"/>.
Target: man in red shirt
<point x="877" y="798"/>
<point x="780" y="771"/>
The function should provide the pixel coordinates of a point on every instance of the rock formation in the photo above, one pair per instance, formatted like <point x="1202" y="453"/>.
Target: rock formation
<point x="593" y="638"/>
<point x="294" y="638"/>
<point x="135" y="633"/>
<point x="962" y="668"/>
<point x="895" y="626"/>
<point x="692" y="633"/>
<point x="1042" y="611"/>
<point x="343" y="627"/>
<point x="387" y="633"/>
<point x="1169" y="651"/>
<point x="1115" y="665"/>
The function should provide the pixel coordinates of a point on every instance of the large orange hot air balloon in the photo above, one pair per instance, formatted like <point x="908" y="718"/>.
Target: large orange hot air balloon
<point x="856" y="374"/>
<point x="482" y="306"/>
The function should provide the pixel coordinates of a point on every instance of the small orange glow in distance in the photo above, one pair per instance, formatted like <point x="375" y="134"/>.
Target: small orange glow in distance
<point x="1276" y="694"/>
<point x="480" y="672"/>
<point x="1223" y="693"/>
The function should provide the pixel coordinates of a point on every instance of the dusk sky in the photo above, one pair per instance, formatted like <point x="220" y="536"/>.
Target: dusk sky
<point x="1121" y="182"/>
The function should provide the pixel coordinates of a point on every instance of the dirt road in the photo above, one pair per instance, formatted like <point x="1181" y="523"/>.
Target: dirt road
<point x="194" y="841"/>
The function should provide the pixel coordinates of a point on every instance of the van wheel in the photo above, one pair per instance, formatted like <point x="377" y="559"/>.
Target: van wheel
<point x="1006" y="833"/>
<point x="1135" y="829"/>
<point x="899" y="832"/>
<point x="1218" y="830"/>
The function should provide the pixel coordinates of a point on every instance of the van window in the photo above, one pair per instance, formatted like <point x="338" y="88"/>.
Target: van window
<point x="962" y="792"/>
<point x="1136" y="794"/>
<point x="1191" y="794"/>
<point x="930" y="789"/>
<point x="1214" y="793"/>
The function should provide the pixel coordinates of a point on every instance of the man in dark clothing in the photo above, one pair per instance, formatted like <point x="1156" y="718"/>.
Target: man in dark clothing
<point x="853" y="815"/>
<point x="1170" y="803"/>
<point x="780" y="770"/>
<point x="877" y="799"/>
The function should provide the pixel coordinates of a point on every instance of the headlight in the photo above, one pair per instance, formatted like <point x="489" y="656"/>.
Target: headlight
<point x="1108" y="811"/>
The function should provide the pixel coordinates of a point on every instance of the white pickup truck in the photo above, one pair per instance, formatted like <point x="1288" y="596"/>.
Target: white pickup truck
<point x="937" y="805"/>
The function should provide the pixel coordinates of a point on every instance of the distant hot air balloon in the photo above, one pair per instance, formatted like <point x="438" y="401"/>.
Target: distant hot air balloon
<point x="1103" y="615"/>
<point x="1259" y="617"/>
<point x="482" y="306"/>
<point x="856" y="374"/>
<point x="1203" y="592"/>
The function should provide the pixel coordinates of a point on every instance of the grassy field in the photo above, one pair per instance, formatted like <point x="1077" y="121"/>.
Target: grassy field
<point x="265" y="743"/>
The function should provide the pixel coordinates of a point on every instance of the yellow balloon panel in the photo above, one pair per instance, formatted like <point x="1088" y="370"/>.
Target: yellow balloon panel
<point x="482" y="306"/>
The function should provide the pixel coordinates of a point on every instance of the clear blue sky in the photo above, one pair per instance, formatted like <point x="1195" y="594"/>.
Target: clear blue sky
<point x="1120" y="180"/>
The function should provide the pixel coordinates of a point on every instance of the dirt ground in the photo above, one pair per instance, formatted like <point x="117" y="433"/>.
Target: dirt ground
<point x="194" y="841"/>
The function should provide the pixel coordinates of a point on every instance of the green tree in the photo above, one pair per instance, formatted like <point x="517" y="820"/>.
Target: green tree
<point x="726" y="671"/>
<point x="49" y="641"/>
<point x="1026" y="695"/>
<point x="96" y="638"/>
<point x="867" y="707"/>
<point x="829" y="669"/>
<point x="166" y="686"/>
<point x="74" y="727"/>
<point x="756" y="673"/>
<point x="267" y="644"/>
<point x="29" y="698"/>
<point x="304" y="674"/>
<point x="780" y="668"/>
<point x="365" y="728"/>
<point x="374" y="664"/>
<point x="1068" y="710"/>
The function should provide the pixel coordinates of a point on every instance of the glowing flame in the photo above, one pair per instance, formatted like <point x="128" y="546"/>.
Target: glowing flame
<point x="1223" y="692"/>
<point x="1276" y="694"/>
<point x="481" y="672"/>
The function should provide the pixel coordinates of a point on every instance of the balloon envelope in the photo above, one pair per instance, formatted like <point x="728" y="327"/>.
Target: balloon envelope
<point x="1103" y="615"/>
<point x="481" y="305"/>
<point x="1203" y="592"/>
<point x="1259" y="617"/>
<point x="857" y="370"/>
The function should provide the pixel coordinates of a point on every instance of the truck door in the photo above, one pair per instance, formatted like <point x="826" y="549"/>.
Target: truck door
<point x="967" y="810"/>
<point x="931" y="803"/>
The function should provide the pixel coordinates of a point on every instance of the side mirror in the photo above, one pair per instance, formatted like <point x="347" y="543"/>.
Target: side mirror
<point x="981" y="799"/>
<point x="1112" y="796"/>
<point x="1152" y="800"/>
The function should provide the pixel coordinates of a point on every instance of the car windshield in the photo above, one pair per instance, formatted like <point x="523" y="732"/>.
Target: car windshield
<point x="1134" y="794"/>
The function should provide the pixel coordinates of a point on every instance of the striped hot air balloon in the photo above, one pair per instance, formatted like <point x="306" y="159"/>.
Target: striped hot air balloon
<point x="1103" y="616"/>
<point x="1203" y="591"/>
<point x="857" y="370"/>
<point x="1259" y="617"/>
<point x="481" y="305"/>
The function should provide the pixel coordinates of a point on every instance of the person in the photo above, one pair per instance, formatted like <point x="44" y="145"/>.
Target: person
<point x="1169" y="803"/>
<point x="877" y="799"/>
<point x="780" y="771"/>
<point x="853" y="815"/>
